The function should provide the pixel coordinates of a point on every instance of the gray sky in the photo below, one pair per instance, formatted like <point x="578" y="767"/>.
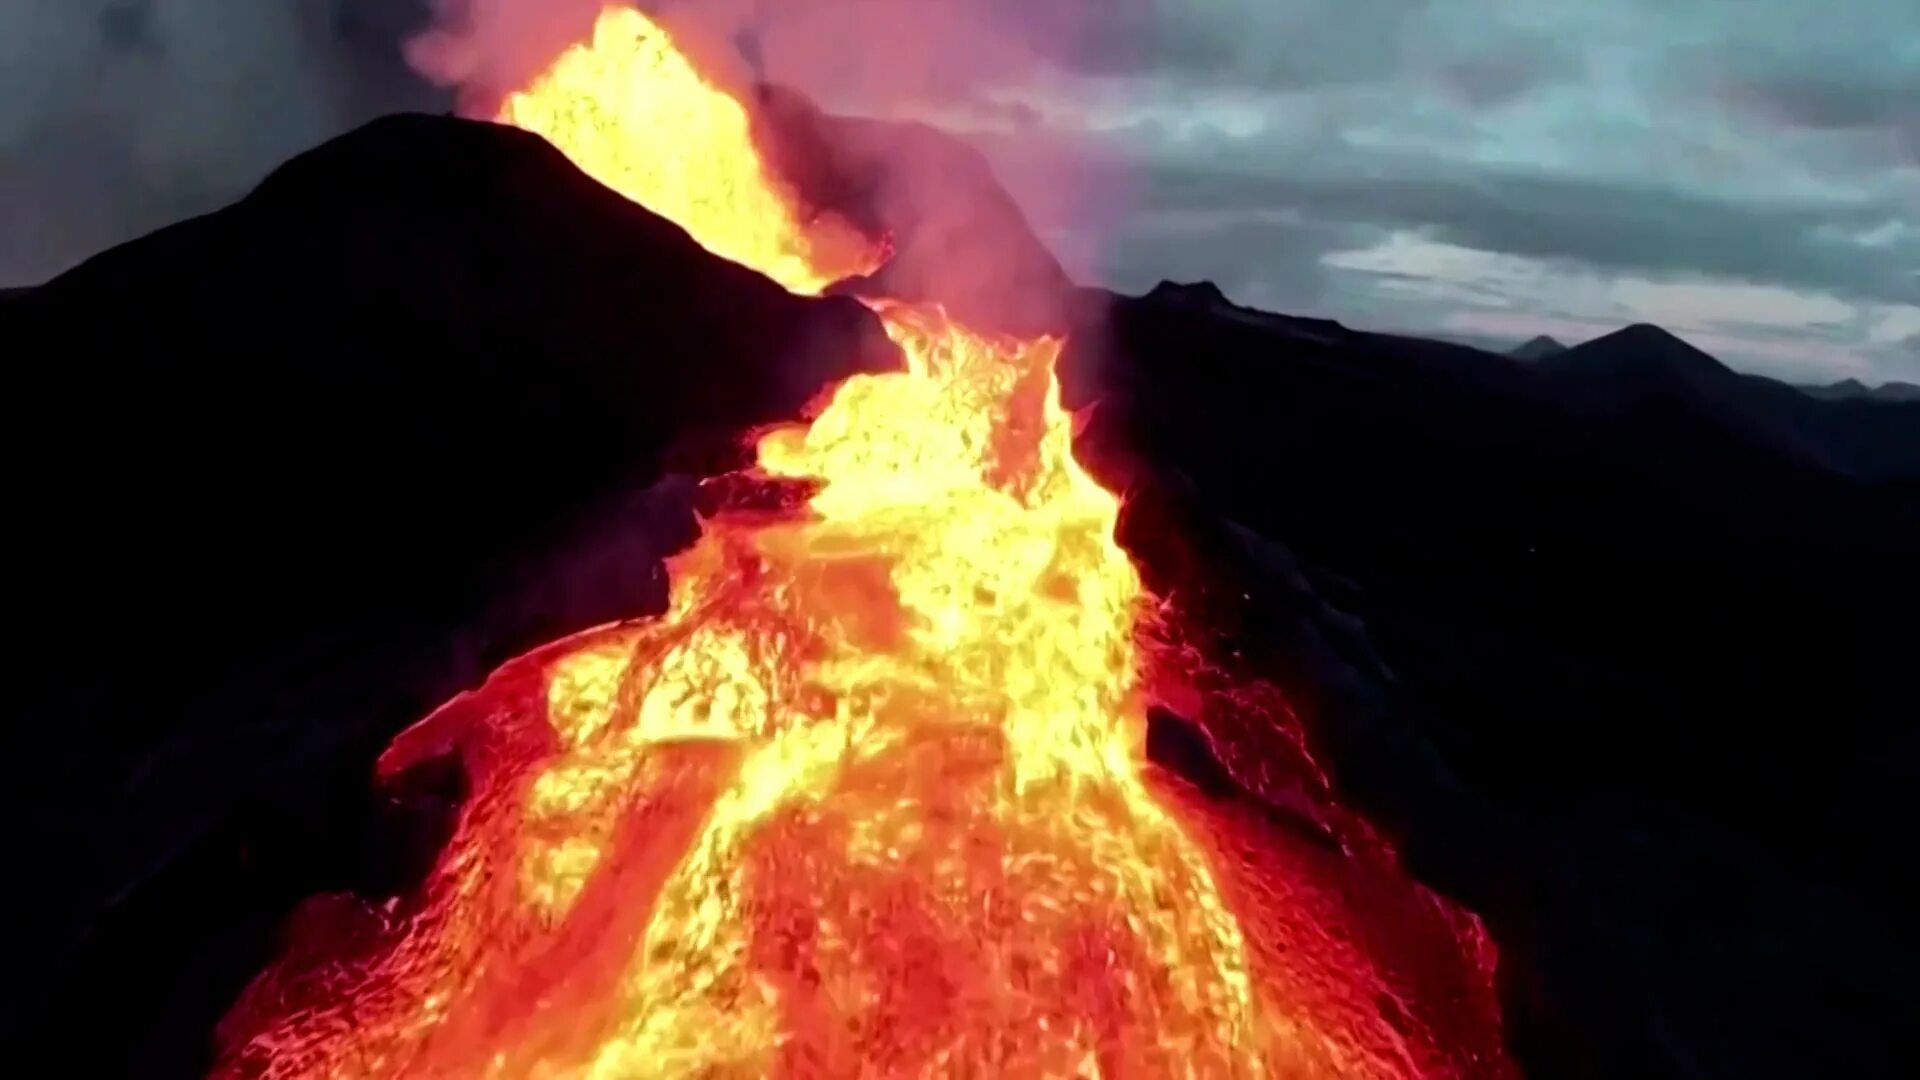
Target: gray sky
<point x="1744" y="172"/>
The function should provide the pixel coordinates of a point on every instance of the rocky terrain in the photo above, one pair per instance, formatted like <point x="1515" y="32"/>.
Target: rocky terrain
<point x="1615" y="643"/>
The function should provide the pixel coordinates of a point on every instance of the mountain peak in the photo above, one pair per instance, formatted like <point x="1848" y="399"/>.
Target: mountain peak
<point x="1647" y="333"/>
<point x="1540" y="348"/>
<point x="1855" y="390"/>
<point x="1643" y="350"/>
<point x="1196" y="292"/>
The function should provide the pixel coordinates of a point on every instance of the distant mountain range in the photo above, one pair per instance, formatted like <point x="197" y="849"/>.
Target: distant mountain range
<point x="1872" y="434"/>
<point x="1855" y="390"/>
<point x="1641" y="376"/>
<point x="1545" y="347"/>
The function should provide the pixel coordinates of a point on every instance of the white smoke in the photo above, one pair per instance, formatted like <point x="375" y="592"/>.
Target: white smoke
<point x="954" y="63"/>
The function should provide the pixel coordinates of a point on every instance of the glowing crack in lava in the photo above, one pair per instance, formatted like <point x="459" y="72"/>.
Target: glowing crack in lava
<point x="868" y="800"/>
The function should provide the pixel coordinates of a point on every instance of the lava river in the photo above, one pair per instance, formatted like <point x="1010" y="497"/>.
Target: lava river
<point x="869" y="799"/>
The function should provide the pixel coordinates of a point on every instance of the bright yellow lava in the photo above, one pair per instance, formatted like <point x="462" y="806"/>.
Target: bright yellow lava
<point x="935" y="855"/>
<point x="630" y="109"/>
<point x="932" y="679"/>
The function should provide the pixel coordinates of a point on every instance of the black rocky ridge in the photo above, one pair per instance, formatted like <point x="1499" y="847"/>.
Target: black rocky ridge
<point x="1616" y="644"/>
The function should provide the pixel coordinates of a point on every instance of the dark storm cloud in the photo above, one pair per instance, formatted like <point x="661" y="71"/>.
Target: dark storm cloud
<point x="1833" y="99"/>
<point x="1885" y="104"/>
<point x="1248" y="44"/>
<point x="1491" y="80"/>
<point x="1609" y="225"/>
<point x="128" y="27"/>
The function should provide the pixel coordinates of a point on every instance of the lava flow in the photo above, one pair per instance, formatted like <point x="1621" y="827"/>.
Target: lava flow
<point x="869" y="799"/>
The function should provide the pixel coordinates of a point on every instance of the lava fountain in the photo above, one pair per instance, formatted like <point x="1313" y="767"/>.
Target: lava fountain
<point x="869" y="798"/>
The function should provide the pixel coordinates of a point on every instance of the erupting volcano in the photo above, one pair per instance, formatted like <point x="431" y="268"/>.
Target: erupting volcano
<point x="870" y="799"/>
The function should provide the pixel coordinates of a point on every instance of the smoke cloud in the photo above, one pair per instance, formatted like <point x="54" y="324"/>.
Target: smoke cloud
<point x="858" y="55"/>
<point x="960" y="64"/>
<point x="973" y="67"/>
<point x="120" y="116"/>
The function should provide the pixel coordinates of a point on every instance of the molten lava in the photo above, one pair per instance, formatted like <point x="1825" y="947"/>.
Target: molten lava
<point x="632" y="111"/>
<point x="869" y="799"/>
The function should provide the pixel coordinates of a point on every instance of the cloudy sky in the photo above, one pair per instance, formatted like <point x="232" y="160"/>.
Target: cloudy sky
<point x="1744" y="172"/>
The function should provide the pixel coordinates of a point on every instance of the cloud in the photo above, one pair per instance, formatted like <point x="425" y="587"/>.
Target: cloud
<point x="1827" y="100"/>
<point x="1280" y="264"/>
<point x="1791" y="334"/>
<point x="1640" y="159"/>
<point x="1244" y="44"/>
<point x="1720" y="303"/>
<point x="1899" y="324"/>
<point x="1621" y="226"/>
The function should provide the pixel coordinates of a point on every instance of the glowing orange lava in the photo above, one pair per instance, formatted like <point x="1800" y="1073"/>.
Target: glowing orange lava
<point x="632" y="111"/>
<point x="868" y="800"/>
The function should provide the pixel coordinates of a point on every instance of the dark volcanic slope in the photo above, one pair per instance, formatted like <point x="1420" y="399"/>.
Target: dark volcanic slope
<point x="1664" y="646"/>
<point x="286" y="477"/>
